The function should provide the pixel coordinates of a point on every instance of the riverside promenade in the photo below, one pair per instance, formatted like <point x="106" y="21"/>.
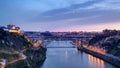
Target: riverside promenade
<point x="101" y="53"/>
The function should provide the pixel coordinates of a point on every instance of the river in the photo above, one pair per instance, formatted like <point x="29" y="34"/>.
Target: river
<point x="71" y="57"/>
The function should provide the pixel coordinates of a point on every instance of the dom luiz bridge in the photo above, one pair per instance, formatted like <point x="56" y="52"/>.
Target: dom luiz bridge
<point x="59" y="42"/>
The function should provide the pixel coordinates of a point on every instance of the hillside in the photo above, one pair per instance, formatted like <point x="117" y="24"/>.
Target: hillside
<point x="109" y="40"/>
<point x="16" y="50"/>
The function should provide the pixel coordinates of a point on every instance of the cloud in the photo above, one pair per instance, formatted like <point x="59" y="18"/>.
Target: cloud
<point x="76" y="14"/>
<point x="70" y="8"/>
<point x="57" y="14"/>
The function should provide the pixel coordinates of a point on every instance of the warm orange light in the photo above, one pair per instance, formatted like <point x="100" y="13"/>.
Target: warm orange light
<point x="89" y="28"/>
<point x="95" y="49"/>
<point x="96" y="61"/>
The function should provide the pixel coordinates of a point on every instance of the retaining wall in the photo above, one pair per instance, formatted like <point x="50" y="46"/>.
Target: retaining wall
<point x="106" y="58"/>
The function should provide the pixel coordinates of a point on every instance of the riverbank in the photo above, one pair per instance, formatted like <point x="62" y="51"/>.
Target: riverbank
<point x="16" y="51"/>
<point x="111" y="59"/>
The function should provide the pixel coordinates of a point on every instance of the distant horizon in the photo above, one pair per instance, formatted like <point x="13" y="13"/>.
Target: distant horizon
<point x="70" y="31"/>
<point x="94" y="28"/>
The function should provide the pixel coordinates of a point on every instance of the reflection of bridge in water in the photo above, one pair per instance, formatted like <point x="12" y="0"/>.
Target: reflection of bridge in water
<point x="60" y="44"/>
<point x="61" y="47"/>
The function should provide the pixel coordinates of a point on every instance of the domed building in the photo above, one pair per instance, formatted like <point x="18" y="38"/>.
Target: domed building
<point x="13" y="29"/>
<point x="11" y="26"/>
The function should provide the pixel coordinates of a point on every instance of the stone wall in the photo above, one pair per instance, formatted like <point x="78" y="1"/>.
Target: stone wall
<point x="106" y="58"/>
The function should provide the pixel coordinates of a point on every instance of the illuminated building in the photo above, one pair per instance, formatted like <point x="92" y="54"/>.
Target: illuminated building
<point x="13" y="29"/>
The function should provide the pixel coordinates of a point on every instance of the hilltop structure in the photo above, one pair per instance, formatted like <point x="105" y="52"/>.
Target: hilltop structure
<point x="12" y="28"/>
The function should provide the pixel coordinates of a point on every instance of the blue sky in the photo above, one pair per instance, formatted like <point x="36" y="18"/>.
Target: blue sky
<point x="61" y="15"/>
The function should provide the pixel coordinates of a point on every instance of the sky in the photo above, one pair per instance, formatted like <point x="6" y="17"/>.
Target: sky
<point x="61" y="15"/>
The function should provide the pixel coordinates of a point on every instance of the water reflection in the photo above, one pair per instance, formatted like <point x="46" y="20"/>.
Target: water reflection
<point x="71" y="58"/>
<point x="99" y="63"/>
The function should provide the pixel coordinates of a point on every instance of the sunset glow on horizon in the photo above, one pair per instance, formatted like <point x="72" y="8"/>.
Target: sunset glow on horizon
<point x="77" y="28"/>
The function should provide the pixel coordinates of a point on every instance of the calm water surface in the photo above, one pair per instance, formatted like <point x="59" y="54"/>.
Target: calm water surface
<point x="71" y="58"/>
